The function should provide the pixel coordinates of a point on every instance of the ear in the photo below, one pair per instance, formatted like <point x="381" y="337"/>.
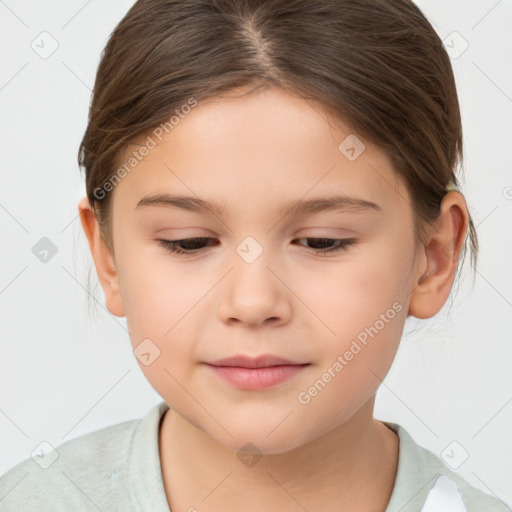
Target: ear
<point x="442" y="250"/>
<point x="103" y="259"/>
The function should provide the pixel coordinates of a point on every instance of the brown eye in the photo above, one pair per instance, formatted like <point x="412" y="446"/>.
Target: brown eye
<point x="194" y="245"/>
<point x="320" y="244"/>
<point x="186" y="245"/>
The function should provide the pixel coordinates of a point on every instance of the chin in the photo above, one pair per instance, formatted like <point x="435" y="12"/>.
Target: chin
<point x="255" y="441"/>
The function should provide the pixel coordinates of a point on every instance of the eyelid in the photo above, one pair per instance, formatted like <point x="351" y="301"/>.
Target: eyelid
<point x="340" y="245"/>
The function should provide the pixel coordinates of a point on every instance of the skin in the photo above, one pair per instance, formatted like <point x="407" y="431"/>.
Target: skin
<point x="328" y="454"/>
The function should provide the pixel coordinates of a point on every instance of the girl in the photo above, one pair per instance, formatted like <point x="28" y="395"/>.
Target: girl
<point x="270" y="194"/>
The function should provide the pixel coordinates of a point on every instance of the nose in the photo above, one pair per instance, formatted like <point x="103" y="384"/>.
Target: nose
<point x="254" y="294"/>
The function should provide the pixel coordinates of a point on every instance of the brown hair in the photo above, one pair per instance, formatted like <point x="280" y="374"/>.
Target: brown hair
<point x="377" y="65"/>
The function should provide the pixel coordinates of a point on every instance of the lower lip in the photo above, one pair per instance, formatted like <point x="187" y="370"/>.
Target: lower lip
<point x="257" y="378"/>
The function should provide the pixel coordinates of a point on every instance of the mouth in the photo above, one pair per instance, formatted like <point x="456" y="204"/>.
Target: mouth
<point x="263" y="361"/>
<point x="258" y="373"/>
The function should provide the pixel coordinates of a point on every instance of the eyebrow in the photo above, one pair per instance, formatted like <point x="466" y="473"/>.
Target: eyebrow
<point x="293" y="208"/>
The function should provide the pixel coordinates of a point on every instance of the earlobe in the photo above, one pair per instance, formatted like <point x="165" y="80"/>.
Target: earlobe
<point x="446" y="240"/>
<point x="103" y="259"/>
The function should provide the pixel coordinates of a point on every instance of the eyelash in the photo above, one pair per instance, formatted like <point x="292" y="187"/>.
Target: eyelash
<point x="172" y="245"/>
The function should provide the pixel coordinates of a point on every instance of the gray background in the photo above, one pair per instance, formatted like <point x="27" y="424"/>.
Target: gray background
<point x="65" y="371"/>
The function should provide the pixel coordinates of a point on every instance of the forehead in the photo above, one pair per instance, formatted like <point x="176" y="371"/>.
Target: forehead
<point x="259" y="149"/>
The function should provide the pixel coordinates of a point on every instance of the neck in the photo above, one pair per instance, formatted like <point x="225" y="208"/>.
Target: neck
<point x="352" y="467"/>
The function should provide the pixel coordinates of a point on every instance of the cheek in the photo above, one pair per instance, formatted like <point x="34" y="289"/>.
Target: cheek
<point x="160" y="317"/>
<point x="363" y="315"/>
<point x="361" y="304"/>
<point x="156" y="304"/>
<point x="170" y="307"/>
<point x="352" y="294"/>
<point x="155" y="293"/>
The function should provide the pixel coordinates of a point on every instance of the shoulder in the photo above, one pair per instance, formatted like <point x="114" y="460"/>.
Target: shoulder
<point x="423" y="480"/>
<point x="87" y="472"/>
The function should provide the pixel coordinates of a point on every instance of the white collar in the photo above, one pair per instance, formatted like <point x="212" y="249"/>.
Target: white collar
<point x="444" y="496"/>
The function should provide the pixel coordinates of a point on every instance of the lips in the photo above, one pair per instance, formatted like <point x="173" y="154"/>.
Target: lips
<point x="263" y="361"/>
<point x="255" y="373"/>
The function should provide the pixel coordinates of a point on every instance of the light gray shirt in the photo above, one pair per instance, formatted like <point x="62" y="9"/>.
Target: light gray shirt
<point x="117" y="468"/>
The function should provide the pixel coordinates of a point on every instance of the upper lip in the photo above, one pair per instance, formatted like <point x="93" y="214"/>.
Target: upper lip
<point x="263" y="361"/>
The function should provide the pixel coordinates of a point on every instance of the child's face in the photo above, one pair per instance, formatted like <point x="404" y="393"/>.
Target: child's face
<point x="254" y="155"/>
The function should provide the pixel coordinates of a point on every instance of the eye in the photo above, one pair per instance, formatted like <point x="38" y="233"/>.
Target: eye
<point x="339" y="244"/>
<point x="191" y="245"/>
<point x="194" y="245"/>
